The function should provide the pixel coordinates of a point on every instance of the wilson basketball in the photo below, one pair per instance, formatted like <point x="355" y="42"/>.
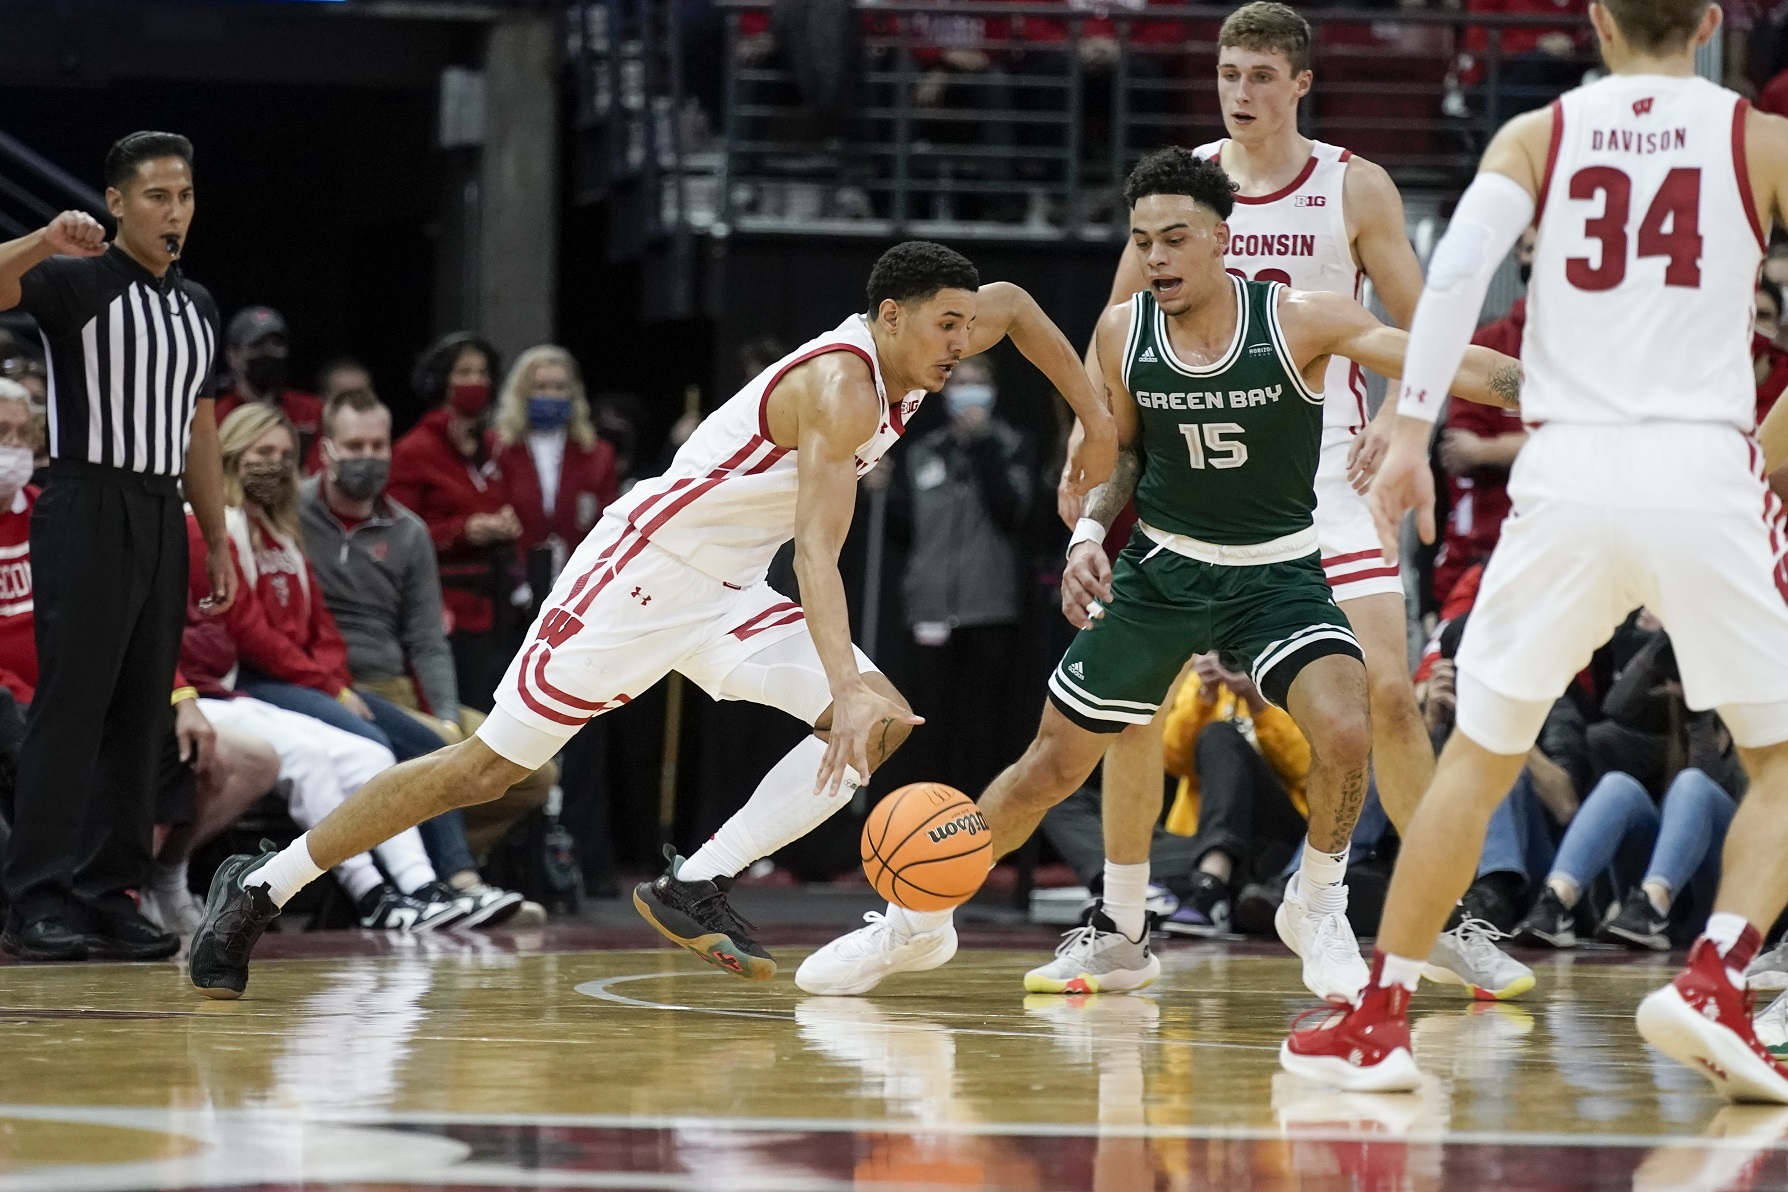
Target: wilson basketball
<point x="926" y="847"/>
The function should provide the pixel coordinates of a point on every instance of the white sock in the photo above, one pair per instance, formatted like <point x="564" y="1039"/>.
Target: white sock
<point x="1724" y="929"/>
<point x="359" y="876"/>
<point x="170" y="879"/>
<point x="1126" y="897"/>
<point x="1400" y="970"/>
<point x="919" y="922"/>
<point x="1322" y="877"/>
<point x="780" y="811"/>
<point x="287" y="873"/>
<point x="405" y="858"/>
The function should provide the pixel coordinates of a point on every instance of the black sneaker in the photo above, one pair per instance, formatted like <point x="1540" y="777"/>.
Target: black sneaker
<point x="1639" y="925"/>
<point x="122" y="933"/>
<point x="1204" y="909"/>
<point x="235" y="917"/>
<point x="46" y="938"/>
<point x="1256" y="905"/>
<point x="1550" y="922"/>
<point x="385" y="908"/>
<point x="697" y="916"/>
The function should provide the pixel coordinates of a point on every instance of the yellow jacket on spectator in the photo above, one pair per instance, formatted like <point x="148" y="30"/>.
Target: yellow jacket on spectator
<point x="1272" y="732"/>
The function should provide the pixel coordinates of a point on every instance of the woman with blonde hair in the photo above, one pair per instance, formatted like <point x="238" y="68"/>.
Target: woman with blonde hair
<point x="560" y="475"/>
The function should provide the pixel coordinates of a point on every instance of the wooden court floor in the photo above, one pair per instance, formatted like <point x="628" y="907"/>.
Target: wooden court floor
<point x="579" y="1058"/>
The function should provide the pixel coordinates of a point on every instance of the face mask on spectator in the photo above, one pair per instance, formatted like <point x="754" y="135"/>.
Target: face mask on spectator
<point x="266" y="374"/>
<point x="263" y="482"/>
<point x="16" y="465"/>
<point x="547" y="412"/>
<point x="362" y="478"/>
<point x="968" y="396"/>
<point x="469" y="398"/>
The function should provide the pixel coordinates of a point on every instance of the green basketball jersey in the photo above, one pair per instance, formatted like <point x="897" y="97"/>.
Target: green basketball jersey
<point x="1229" y="449"/>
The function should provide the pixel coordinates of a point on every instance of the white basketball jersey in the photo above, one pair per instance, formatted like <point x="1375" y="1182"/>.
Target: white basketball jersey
<point x="1644" y="272"/>
<point x="727" y="504"/>
<point x="1298" y="235"/>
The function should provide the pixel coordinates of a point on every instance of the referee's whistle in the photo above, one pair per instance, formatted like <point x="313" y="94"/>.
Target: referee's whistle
<point x="172" y="244"/>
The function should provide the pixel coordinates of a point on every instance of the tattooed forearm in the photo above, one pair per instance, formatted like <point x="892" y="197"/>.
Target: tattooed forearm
<point x="881" y="741"/>
<point x="1505" y="386"/>
<point x="1104" y="503"/>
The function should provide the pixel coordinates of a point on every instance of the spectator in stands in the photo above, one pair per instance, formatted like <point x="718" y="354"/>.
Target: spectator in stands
<point x="1539" y="62"/>
<point x="19" y="364"/>
<point x="256" y="350"/>
<point x="963" y="495"/>
<point x="1769" y="359"/>
<point x="617" y="418"/>
<point x="445" y="471"/>
<point x="340" y="374"/>
<point x="1241" y="763"/>
<point x="376" y="568"/>
<point x="560" y="475"/>
<point x="292" y="653"/>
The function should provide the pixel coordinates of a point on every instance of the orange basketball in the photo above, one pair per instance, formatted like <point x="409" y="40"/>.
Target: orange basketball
<point x="926" y="847"/>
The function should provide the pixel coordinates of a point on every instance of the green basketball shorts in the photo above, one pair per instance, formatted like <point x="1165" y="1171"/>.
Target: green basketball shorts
<point x="1268" y="621"/>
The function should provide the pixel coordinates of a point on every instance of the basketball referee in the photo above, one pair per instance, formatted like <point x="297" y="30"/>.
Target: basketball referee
<point x="131" y="345"/>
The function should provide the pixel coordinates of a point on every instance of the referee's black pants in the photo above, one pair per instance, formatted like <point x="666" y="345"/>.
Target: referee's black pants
<point x="109" y="574"/>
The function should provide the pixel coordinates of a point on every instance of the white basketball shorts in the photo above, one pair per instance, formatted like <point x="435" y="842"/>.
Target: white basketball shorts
<point x="1352" y="559"/>
<point x="1674" y="517"/>
<point x="625" y="613"/>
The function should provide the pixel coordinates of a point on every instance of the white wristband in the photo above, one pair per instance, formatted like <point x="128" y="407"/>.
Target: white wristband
<point x="1087" y="529"/>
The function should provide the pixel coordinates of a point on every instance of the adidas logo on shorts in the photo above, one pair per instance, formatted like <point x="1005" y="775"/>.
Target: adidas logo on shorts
<point x="1077" y="670"/>
<point x="1148" y="355"/>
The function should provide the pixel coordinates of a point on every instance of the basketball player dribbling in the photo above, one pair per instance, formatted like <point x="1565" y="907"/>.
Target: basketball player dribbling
<point x="1215" y="385"/>
<point x="1642" y="484"/>
<point x="672" y="578"/>
<point x="1315" y="217"/>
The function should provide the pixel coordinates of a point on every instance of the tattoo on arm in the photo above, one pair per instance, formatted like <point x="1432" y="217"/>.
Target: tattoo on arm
<point x="1505" y="383"/>
<point x="1104" y="503"/>
<point x="881" y="744"/>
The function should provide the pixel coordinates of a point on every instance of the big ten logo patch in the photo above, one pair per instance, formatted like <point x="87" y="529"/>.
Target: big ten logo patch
<point x="1311" y="201"/>
<point x="969" y="823"/>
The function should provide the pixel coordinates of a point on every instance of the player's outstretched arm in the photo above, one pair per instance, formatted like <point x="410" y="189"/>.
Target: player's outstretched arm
<point x="837" y="408"/>
<point x="1126" y="283"/>
<point x="1006" y="311"/>
<point x="1086" y="579"/>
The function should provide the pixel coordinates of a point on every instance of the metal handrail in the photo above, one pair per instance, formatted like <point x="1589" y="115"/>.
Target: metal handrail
<point x="38" y="188"/>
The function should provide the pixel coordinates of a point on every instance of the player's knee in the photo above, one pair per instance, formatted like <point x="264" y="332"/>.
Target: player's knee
<point x="476" y="773"/>
<point x="1341" y="734"/>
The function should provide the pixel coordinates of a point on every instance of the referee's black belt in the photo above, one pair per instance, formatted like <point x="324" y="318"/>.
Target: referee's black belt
<point x="80" y="469"/>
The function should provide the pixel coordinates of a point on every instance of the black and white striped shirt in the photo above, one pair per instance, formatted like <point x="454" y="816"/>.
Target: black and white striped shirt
<point x="130" y="355"/>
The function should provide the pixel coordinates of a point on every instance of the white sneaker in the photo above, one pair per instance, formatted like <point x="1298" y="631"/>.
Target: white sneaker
<point x="180" y="912"/>
<point x="1771" y="1025"/>
<point x="1467" y="955"/>
<point x="857" y="962"/>
<point x="1333" y="967"/>
<point x="1770" y="969"/>
<point x="1097" y="958"/>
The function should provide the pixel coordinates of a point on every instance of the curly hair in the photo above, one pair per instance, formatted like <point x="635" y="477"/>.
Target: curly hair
<point x="1177" y="171"/>
<point x="915" y="270"/>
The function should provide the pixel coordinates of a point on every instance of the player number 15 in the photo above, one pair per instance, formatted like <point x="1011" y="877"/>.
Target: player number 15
<point x="1212" y="444"/>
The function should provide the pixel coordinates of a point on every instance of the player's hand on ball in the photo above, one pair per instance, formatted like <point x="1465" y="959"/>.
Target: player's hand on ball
<point x="1404" y="483"/>
<point x="75" y="234"/>
<point x="860" y="717"/>
<point x="1086" y="581"/>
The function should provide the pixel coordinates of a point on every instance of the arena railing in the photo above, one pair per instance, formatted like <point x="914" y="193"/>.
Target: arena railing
<point x="1018" y="121"/>
<point x="33" y="189"/>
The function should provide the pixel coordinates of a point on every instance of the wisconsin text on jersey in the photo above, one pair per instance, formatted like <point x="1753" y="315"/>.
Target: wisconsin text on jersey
<point x="1283" y="244"/>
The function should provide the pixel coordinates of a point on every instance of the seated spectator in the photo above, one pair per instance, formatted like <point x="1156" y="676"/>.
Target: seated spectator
<point x="445" y="471"/>
<point x="560" y="475"/>
<point x="255" y="349"/>
<point x="1769" y="359"/>
<point x="1241" y="763"/>
<point x="340" y="374"/>
<point x="1538" y="63"/>
<point x="324" y="766"/>
<point x="293" y="655"/>
<point x="376" y="568"/>
<point x="230" y="769"/>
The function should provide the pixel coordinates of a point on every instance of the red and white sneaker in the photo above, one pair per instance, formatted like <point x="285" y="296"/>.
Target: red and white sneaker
<point x="1363" y="1048"/>
<point x="1703" y="1020"/>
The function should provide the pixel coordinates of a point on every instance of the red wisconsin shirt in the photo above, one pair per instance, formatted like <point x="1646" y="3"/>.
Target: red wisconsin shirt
<point x="432" y="479"/>
<point x="1479" y="502"/>
<point x="18" y="643"/>
<point x="587" y="485"/>
<point x="278" y="624"/>
<point x="304" y="409"/>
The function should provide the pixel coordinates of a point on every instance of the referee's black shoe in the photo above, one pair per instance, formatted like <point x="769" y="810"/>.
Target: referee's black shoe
<point x="46" y="937"/>
<point x="120" y="932"/>
<point x="235" y="917"/>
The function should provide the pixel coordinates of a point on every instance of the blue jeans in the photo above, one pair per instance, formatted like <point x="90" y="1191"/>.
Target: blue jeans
<point x="1518" y="839"/>
<point x="444" y="836"/>
<point x="1685" y="839"/>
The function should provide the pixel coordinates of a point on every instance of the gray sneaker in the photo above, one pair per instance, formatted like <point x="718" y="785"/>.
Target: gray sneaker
<point x="1097" y="958"/>
<point x="1770" y="969"/>
<point x="1467" y="955"/>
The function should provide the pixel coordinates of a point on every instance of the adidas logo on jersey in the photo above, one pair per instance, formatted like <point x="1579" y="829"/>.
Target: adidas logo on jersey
<point x="1148" y="355"/>
<point x="1077" y="670"/>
